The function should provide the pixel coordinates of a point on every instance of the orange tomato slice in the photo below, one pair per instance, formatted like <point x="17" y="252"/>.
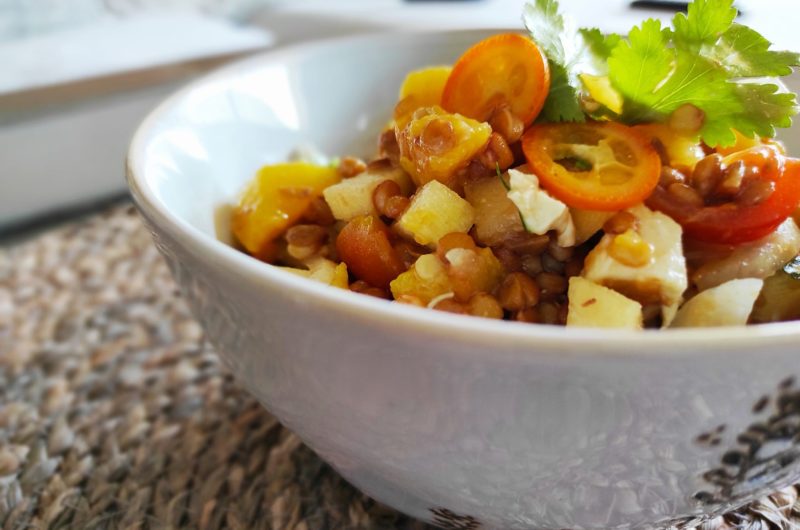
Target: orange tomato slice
<point x="603" y="166"/>
<point x="503" y="69"/>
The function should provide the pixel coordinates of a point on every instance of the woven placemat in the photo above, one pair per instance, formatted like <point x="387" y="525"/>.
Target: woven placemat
<point x="115" y="413"/>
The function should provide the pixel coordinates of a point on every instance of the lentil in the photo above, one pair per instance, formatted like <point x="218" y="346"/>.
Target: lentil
<point x="484" y="305"/>
<point x="363" y="287"/>
<point x="706" y="174"/>
<point x="755" y="192"/>
<point x="529" y="315"/>
<point x="687" y="119"/>
<point x="621" y="222"/>
<point x="670" y="175"/>
<point x="351" y="166"/>
<point x="451" y="306"/>
<point x="505" y="123"/>
<point x="551" y="285"/>
<point x="518" y="291"/>
<point x="687" y="194"/>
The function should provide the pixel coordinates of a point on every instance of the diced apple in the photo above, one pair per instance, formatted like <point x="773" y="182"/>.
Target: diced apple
<point x="352" y="197"/>
<point x="728" y="304"/>
<point x="592" y="305"/>
<point x="435" y="211"/>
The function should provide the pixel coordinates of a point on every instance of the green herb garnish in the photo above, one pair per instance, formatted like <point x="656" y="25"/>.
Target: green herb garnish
<point x="706" y="59"/>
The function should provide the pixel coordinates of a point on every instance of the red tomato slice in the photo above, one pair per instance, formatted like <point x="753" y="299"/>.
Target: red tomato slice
<point x="603" y="166"/>
<point x="503" y="69"/>
<point x="732" y="223"/>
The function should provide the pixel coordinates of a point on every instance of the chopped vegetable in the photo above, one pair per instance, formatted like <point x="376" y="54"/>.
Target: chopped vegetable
<point x="588" y="222"/>
<point x="324" y="271"/>
<point x="496" y="216"/>
<point x="780" y="296"/>
<point x="353" y="197"/>
<point x="435" y="144"/>
<point x="503" y="69"/>
<point x="275" y="200"/>
<point x="756" y="259"/>
<point x="595" y="306"/>
<point x="728" y="304"/>
<point x="363" y="244"/>
<point x="434" y="212"/>
<point x="426" y="279"/>
<point x="595" y="165"/>
<point x="421" y="88"/>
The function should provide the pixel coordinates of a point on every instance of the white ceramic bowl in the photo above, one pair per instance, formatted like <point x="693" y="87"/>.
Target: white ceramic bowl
<point x="451" y="419"/>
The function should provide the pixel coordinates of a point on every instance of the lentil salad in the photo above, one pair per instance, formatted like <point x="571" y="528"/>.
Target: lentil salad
<point x="521" y="184"/>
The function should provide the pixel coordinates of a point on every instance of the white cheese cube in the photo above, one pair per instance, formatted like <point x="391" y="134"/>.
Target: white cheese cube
<point x="662" y="279"/>
<point x="540" y="212"/>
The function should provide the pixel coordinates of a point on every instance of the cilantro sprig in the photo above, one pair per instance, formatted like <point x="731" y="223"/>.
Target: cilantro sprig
<point x="705" y="59"/>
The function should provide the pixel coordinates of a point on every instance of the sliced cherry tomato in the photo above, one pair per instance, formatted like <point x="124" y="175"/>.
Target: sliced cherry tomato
<point x="594" y="165"/>
<point x="363" y="244"/>
<point x="506" y="69"/>
<point x="733" y="223"/>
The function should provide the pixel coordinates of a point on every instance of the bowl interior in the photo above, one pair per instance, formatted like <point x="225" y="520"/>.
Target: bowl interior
<point x="207" y="141"/>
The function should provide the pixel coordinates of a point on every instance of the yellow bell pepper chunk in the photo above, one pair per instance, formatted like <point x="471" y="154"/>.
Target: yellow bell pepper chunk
<point x="421" y="88"/>
<point x="275" y="199"/>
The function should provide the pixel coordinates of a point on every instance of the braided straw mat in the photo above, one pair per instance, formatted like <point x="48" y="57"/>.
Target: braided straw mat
<point x="116" y="414"/>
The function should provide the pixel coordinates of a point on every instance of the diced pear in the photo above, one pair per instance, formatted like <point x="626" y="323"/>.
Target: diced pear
<point x="352" y="197"/>
<point x="755" y="259"/>
<point x="592" y="305"/>
<point x="728" y="304"/>
<point x="435" y="211"/>
<point x="588" y="222"/>
<point x="496" y="217"/>
<point x="324" y="271"/>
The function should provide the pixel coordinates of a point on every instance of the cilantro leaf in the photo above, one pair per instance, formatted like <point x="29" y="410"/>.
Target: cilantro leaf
<point x="709" y="62"/>
<point x="703" y="23"/>
<point x="706" y="60"/>
<point x="600" y="44"/>
<point x="570" y="52"/>
<point x="743" y="52"/>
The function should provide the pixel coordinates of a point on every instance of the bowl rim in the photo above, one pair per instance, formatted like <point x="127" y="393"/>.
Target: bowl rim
<point x="675" y="341"/>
